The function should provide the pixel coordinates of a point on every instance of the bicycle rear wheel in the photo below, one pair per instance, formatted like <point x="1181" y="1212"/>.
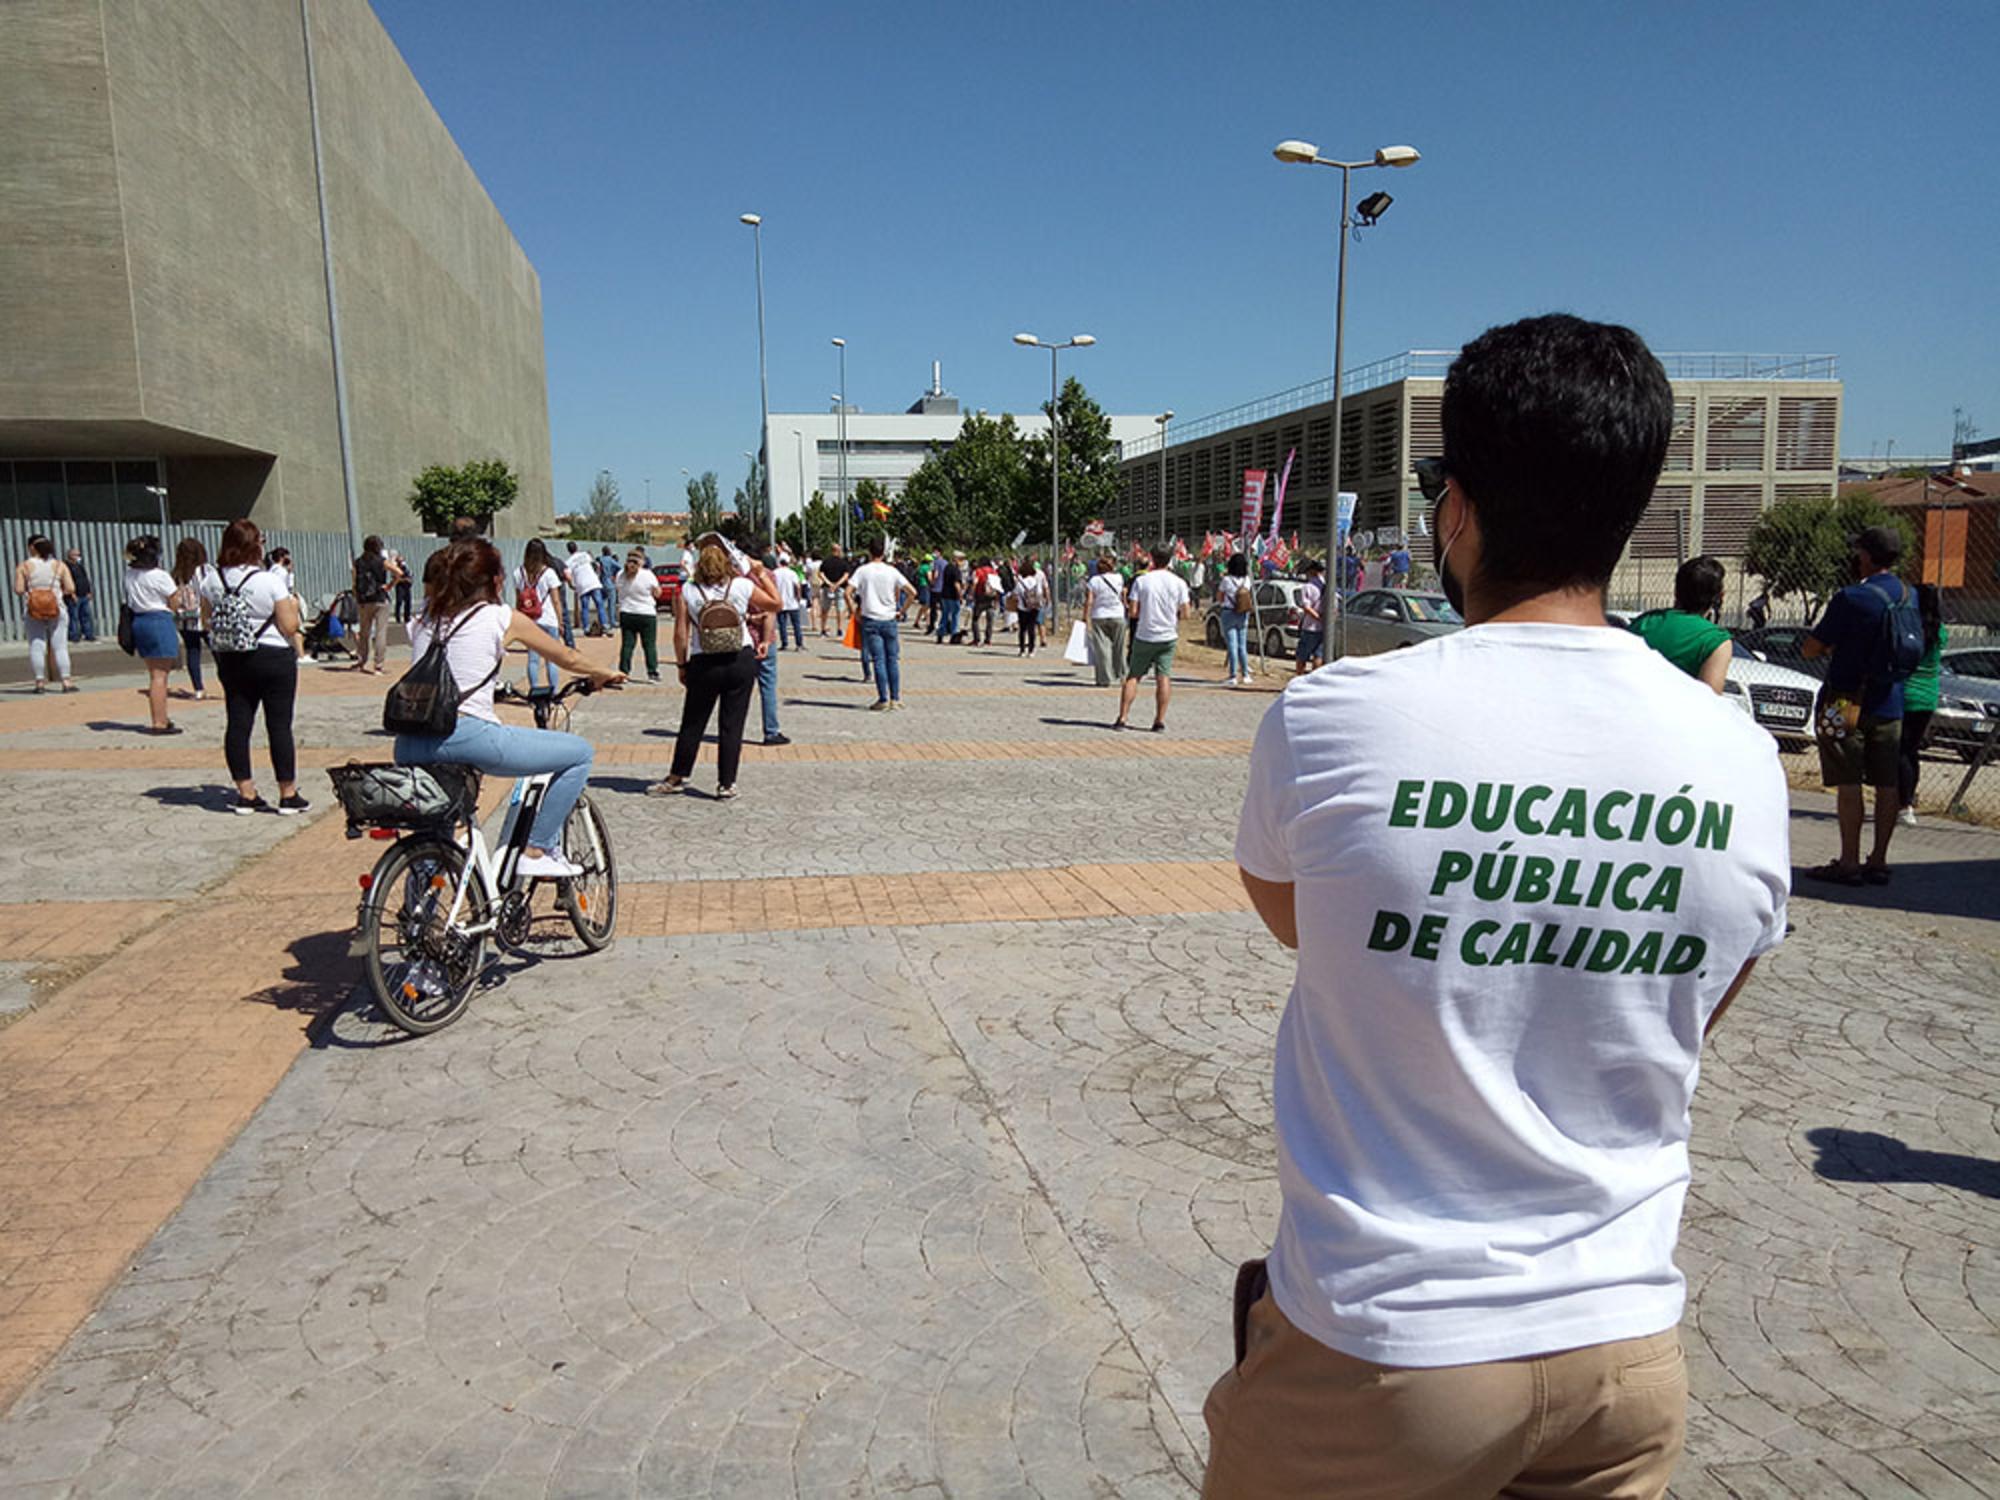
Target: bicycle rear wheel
<point x="591" y="899"/>
<point x="422" y="970"/>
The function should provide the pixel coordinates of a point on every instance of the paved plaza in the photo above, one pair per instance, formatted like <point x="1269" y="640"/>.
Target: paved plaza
<point x="904" y="1143"/>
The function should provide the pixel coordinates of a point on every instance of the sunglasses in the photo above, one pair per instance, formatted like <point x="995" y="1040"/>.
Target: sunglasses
<point x="1432" y="476"/>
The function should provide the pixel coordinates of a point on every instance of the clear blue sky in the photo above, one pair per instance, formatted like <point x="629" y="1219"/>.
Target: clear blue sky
<point x="1764" y="178"/>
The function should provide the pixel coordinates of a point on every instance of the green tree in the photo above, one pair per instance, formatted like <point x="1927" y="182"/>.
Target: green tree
<point x="813" y="529"/>
<point x="704" y="504"/>
<point x="602" y="518"/>
<point x="1802" y="547"/>
<point x="482" y="489"/>
<point x="1089" y="468"/>
<point x="971" y="493"/>
<point x="749" y="501"/>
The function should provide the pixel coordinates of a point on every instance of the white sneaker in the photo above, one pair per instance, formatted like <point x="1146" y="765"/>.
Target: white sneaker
<point x="1907" y="817"/>
<point x="547" y="867"/>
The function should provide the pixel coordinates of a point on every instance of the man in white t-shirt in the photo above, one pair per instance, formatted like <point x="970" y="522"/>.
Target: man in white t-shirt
<point x="1159" y="603"/>
<point x="1106" y="593"/>
<point x="878" y="594"/>
<point x="1526" y="867"/>
<point x="588" y="588"/>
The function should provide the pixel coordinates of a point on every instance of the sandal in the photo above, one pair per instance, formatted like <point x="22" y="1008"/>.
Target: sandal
<point x="725" y="794"/>
<point x="673" y="786"/>
<point x="1833" y="872"/>
<point x="1876" y="874"/>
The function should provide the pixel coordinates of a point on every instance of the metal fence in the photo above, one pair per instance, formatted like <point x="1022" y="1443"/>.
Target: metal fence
<point x="321" y="560"/>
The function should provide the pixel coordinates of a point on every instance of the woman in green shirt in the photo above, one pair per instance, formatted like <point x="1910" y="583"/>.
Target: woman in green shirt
<point x="1687" y="634"/>
<point x="1920" y="699"/>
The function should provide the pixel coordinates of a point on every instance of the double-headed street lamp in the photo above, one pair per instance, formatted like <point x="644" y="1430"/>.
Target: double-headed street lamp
<point x="756" y="223"/>
<point x="1075" y="341"/>
<point x="1371" y="208"/>
<point x="841" y="345"/>
<point x="1163" y="418"/>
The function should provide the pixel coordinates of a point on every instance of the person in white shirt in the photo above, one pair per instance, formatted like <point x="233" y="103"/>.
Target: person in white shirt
<point x="1106" y="593"/>
<point x="715" y="648"/>
<point x="588" y="590"/>
<point x="1312" y="620"/>
<point x="538" y="590"/>
<point x="1159" y="603"/>
<point x="1526" y="867"/>
<point x="252" y="622"/>
<point x="638" y="613"/>
<point x="878" y="595"/>
<point x="149" y="595"/>
<point x="463" y="607"/>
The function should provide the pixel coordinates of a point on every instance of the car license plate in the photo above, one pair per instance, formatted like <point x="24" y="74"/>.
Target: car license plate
<point x="1783" y="711"/>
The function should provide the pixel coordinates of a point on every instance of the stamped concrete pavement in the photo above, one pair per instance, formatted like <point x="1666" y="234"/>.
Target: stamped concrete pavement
<point x="934" y="1187"/>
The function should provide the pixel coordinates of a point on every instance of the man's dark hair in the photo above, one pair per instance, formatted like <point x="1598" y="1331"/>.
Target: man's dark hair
<point x="1161" y="557"/>
<point x="463" y="526"/>
<point x="1312" y="567"/>
<point x="876" y="547"/>
<point x="1883" y="546"/>
<point x="1698" y="585"/>
<point x="1239" y="565"/>
<point x="1555" y="429"/>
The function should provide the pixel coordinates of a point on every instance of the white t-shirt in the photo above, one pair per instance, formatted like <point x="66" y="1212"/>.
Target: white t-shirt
<point x="791" y="592"/>
<point x="582" y="573"/>
<point x="1031" y="590"/>
<point x="636" y="591"/>
<point x="546" y="584"/>
<point x="1161" y="597"/>
<point x="738" y="592"/>
<point x="1528" y="862"/>
<point x="261" y="588"/>
<point x="475" y="650"/>
<point x="149" y="589"/>
<point x="1107" y="596"/>
<point x="1309" y="599"/>
<point x="877" y="589"/>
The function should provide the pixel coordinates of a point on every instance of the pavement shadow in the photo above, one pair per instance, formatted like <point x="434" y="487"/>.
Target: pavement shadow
<point x="117" y="726"/>
<point x="1868" y="1156"/>
<point x="207" y="798"/>
<point x="859" y="708"/>
<point x="1104" y="724"/>
<point x="1940" y="888"/>
<point x="628" y="784"/>
<point x="319" y="978"/>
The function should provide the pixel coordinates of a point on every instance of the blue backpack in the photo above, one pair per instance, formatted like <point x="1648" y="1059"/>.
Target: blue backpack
<point x="1901" y="646"/>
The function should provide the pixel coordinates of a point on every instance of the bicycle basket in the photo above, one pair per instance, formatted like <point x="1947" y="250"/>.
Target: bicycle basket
<point x="390" y="796"/>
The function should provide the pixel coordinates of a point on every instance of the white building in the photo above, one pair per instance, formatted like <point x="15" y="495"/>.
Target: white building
<point x="884" y="447"/>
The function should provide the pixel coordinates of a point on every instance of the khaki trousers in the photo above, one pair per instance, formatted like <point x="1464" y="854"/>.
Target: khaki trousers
<point x="1296" y="1419"/>
<point x="372" y="633"/>
<point x="1107" y="650"/>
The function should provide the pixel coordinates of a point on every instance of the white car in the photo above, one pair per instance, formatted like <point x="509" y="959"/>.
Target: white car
<point x="1777" y="698"/>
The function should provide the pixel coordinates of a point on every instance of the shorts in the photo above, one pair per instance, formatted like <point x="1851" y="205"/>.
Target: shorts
<point x="1310" y="644"/>
<point x="1869" y="754"/>
<point x="1151" y="656"/>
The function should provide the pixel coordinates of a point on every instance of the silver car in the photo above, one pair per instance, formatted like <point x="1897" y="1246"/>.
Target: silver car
<point x="1274" y="628"/>
<point x="1386" y="619"/>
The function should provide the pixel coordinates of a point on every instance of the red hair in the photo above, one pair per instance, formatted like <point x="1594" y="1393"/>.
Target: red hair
<point x="242" y="545"/>
<point x="466" y="573"/>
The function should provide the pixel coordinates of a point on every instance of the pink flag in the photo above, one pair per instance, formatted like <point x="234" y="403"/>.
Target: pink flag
<point x="1253" y="499"/>
<point x="1278" y="508"/>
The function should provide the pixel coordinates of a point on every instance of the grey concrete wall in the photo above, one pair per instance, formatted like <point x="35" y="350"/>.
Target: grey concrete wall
<point x="67" y="348"/>
<point x="175" y="137"/>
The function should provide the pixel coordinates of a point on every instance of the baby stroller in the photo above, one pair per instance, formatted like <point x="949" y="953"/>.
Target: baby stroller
<point x="327" y="634"/>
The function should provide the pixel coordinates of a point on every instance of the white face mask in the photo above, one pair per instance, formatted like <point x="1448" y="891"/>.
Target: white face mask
<point x="1453" y="591"/>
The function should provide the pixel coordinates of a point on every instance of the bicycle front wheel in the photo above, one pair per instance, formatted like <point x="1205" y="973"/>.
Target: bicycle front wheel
<point x="591" y="899"/>
<point x="422" y="966"/>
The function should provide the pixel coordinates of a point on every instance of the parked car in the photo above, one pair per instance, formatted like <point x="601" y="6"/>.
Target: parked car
<point x="1968" y="712"/>
<point x="671" y="576"/>
<point x="1782" y="645"/>
<point x="1972" y="661"/>
<point x="1388" y="619"/>
<point x="1274" y="628"/>
<point x="1777" y="698"/>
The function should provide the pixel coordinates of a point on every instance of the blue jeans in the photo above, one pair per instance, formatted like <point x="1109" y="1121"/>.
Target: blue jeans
<point x="537" y="667"/>
<point x="1310" y="644"/>
<point x="511" y="750"/>
<point x="1235" y="643"/>
<point x="882" y="649"/>
<point x="947" y="619"/>
<point x="82" y="623"/>
<point x="795" y="618"/>
<point x="767" y="690"/>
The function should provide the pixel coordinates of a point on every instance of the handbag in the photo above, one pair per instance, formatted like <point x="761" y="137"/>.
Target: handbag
<point x="851" y="637"/>
<point x="125" y="641"/>
<point x="391" y="796"/>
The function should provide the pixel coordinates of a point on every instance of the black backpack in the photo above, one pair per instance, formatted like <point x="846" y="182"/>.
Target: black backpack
<point x="425" y="699"/>
<point x="1901" y="647"/>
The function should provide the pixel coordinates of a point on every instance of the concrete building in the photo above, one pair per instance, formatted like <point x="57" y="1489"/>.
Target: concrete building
<point x="163" y="297"/>
<point x="1749" y="430"/>
<point x="885" y="447"/>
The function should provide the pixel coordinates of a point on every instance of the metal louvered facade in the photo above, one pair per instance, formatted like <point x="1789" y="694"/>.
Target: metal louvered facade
<point x="1748" y="430"/>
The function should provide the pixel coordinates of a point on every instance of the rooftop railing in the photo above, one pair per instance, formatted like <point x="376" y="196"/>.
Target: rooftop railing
<point x="1431" y="364"/>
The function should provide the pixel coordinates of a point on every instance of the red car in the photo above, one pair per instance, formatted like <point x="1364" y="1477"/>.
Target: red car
<point x="671" y="576"/>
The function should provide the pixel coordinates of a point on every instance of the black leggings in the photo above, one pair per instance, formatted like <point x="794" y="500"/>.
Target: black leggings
<point x="268" y="676"/>
<point x="729" y="680"/>
<point x="1031" y="620"/>
<point x="1916" y="725"/>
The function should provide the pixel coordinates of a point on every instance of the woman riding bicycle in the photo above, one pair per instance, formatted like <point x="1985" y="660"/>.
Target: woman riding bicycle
<point x="462" y="604"/>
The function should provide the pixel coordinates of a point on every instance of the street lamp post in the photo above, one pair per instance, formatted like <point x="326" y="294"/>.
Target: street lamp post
<point x="1075" y="341"/>
<point x="1306" y="154"/>
<point x="756" y="223"/>
<point x="1163" y="419"/>
<point x="841" y="345"/>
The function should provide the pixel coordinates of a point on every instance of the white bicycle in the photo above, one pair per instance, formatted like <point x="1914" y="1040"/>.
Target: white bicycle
<point x="436" y="897"/>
